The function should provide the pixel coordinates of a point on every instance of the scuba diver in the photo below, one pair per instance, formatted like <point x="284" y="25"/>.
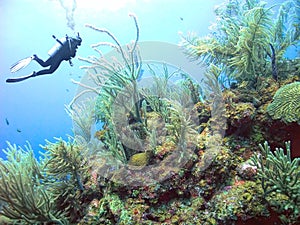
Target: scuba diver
<point x="65" y="49"/>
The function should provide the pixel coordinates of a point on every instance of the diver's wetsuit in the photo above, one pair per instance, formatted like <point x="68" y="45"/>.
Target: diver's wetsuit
<point x="53" y="62"/>
<point x="66" y="51"/>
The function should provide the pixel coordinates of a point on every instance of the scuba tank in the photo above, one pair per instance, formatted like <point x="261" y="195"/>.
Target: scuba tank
<point x="57" y="46"/>
<point x="72" y="43"/>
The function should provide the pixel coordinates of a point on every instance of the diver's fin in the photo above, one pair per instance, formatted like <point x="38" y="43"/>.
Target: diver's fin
<point x="18" y="79"/>
<point x="20" y="64"/>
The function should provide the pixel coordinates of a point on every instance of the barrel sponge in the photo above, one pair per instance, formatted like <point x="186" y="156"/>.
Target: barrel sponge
<point x="286" y="103"/>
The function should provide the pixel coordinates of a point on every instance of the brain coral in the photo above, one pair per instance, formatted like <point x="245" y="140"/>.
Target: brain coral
<point x="286" y="103"/>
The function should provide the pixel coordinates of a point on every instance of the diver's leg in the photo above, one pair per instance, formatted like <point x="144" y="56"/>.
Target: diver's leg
<point x="52" y="68"/>
<point x="41" y="62"/>
<point x="34" y="74"/>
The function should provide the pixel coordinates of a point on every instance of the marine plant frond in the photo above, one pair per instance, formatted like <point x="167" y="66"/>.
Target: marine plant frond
<point x="65" y="160"/>
<point x="102" y="30"/>
<point x="227" y="31"/>
<point x="253" y="39"/>
<point x="286" y="31"/>
<point x="114" y="146"/>
<point x="214" y="97"/>
<point x="232" y="8"/>
<point x="115" y="76"/>
<point x="209" y="49"/>
<point x="117" y="44"/>
<point x="83" y="117"/>
<point x="279" y="28"/>
<point x="137" y="31"/>
<point x="161" y="81"/>
<point x="66" y="173"/>
<point x="211" y="81"/>
<point x="189" y="45"/>
<point x="245" y="42"/>
<point x="250" y="4"/>
<point x="182" y="124"/>
<point x="25" y="197"/>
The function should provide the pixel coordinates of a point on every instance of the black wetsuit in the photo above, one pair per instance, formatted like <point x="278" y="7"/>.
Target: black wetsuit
<point x="66" y="51"/>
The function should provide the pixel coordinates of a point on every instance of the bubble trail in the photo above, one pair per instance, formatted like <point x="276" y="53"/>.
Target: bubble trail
<point x="69" y="6"/>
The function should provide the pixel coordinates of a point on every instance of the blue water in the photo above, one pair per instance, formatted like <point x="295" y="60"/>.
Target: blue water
<point x="34" y="110"/>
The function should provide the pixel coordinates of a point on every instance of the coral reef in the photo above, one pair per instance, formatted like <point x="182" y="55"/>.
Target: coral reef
<point x="240" y="116"/>
<point x="286" y="103"/>
<point x="243" y="200"/>
<point x="138" y="119"/>
<point x="174" y="151"/>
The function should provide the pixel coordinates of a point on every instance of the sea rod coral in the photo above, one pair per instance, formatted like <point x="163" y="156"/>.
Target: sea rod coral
<point x="24" y="195"/>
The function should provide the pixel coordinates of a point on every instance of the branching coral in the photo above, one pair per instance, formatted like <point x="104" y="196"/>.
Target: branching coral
<point x="215" y="99"/>
<point x="115" y="83"/>
<point x="245" y="42"/>
<point x="67" y="171"/>
<point x="26" y="198"/>
<point x="182" y="126"/>
<point x="280" y="175"/>
<point x="117" y="76"/>
<point x="164" y="92"/>
<point x="160" y="90"/>
<point x="286" y="103"/>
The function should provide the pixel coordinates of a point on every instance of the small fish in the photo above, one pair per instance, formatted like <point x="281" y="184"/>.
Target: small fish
<point x="181" y="18"/>
<point x="67" y="90"/>
<point x="19" y="131"/>
<point x="7" y="122"/>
